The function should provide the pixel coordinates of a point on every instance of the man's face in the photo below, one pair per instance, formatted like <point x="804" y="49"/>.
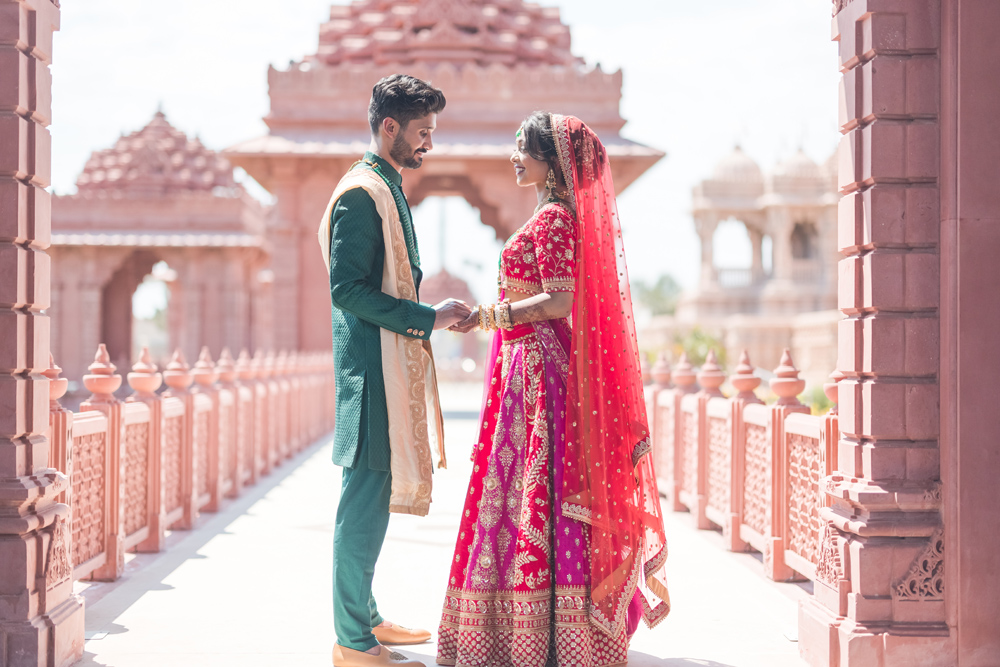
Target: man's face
<point x="411" y="143"/>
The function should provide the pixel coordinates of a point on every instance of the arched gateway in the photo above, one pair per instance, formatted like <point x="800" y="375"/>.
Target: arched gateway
<point x="496" y="60"/>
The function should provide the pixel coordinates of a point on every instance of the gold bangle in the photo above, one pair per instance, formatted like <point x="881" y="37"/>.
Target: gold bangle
<point x="482" y="319"/>
<point x="503" y="315"/>
<point x="491" y="318"/>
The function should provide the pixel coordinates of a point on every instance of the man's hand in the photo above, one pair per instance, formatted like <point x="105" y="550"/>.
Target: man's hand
<point x="466" y="325"/>
<point x="450" y="312"/>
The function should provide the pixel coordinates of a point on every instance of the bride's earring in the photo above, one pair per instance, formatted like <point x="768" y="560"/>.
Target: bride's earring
<point x="550" y="183"/>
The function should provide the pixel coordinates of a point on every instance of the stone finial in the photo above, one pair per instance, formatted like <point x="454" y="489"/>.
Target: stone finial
<point x="204" y="369"/>
<point x="57" y="385"/>
<point x="244" y="367"/>
<point x="144" y="378"/>
<point x="683" y="375"/>
<point x="177" y="375"/>
<point x="644" y="369"/>
<point x="102" y="381"/>
<point x="831" y="391"/>
<point x="281" y="363"/>
<point x="661" y="370"/>
<point x="744" y="380"/>
<point x="711" y="376"/>
<point x="259" y="364"/>
<point x="226" y="367"/>
<point x="786" y="383"/>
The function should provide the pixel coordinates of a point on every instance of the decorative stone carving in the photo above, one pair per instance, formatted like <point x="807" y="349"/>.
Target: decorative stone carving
<point x="719" y="464"/>
<point x="58" y="567"/>
<point x="786" y="382"/>
<point x="805" y="463"/>
<point x="683" y="375"/>
<point x="88" y="496"/>
<point x="661" y="370"/>
<point x="744" y="380"/>
<point x="757" y="484"/>
<point x="925" y="579"/>
<point x="711" y="376"/>
<point x="829" y="569"/>
<point x="136" y="478"/>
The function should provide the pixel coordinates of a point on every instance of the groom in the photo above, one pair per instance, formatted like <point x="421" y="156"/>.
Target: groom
<point x="379" y="330"/>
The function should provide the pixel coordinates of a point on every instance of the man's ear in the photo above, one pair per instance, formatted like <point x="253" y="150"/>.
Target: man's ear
<point x="390" y="127"/>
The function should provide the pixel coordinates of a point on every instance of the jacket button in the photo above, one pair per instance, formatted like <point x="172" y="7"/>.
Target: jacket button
<point x="421" y="333"/>
<point x="409" y="331"/>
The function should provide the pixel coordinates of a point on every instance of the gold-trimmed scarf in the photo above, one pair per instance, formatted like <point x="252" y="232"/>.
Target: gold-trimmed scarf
<point x="411" y="391"/>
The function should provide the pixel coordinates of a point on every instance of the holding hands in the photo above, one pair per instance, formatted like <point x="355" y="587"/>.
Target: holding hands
<point x="450" y="312"/>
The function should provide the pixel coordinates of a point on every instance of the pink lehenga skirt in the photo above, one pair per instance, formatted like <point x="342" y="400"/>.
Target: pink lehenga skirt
<point x="518" y="592"/>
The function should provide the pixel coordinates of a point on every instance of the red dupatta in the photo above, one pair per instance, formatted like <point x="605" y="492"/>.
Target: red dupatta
<point x="609" y="481"/>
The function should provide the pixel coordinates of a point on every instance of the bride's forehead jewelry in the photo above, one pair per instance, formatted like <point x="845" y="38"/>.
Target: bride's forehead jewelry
<point x="520" y="132"/>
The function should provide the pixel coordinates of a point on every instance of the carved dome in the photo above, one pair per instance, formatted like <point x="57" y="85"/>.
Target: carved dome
<point x="798" y="172"/>
<point x="157" y="160"/>
<point x="481" y="32"/>
<point x="737" y="167"/>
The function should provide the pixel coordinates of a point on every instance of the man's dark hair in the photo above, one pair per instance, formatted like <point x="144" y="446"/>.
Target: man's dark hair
<point x="403" y="98"/>
<point x="539" y="141"/>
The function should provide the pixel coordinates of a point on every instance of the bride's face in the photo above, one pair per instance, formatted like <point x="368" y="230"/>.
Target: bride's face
<point x="528" y="171"/>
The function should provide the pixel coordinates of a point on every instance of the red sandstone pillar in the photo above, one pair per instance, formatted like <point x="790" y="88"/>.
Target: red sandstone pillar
<point x="41" y="621"/>
<point x="879" y="589"/>
<point x="744" y="382"/>
<point x="144" y="381"/>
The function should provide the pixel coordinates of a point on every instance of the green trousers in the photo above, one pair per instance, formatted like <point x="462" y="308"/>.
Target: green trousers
<point x="362" y="520"/>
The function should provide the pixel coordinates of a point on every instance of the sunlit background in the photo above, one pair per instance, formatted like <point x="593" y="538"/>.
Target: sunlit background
<point x="699" y="78"/>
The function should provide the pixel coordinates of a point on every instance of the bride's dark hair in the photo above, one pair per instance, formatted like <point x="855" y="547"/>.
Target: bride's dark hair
<point x="539" y="141"/>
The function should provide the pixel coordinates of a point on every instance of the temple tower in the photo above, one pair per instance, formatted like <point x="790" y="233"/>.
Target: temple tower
<point x="157" y="195"/>
<point x="496" y="60"/>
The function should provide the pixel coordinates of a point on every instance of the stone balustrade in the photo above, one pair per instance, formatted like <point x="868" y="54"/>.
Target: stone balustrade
<point x="756" y="471"/>
<point x="155" y="461"/>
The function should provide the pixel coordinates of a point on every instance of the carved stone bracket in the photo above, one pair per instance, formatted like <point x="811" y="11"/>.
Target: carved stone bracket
<point x="829" y="569"/>
<point x="925" y="579"/>
<point x="57" y="560"/>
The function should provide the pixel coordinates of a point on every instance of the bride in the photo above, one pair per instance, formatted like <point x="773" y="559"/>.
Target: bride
<point x="561" y="545"/>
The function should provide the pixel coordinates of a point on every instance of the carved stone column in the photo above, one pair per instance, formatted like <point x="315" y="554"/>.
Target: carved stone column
<point x="880" y="595"/>
<point x="41" y="621"/>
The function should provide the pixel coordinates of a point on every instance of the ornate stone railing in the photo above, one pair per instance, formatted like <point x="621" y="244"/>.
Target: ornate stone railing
<point x="751" y="469"/>
<point x="155" y="461"/>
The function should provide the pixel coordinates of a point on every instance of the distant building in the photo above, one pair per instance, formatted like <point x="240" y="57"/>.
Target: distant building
<point x="787" y="297"/>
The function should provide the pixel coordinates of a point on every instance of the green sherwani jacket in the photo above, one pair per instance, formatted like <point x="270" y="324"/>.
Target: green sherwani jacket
<point x="360" y="309"/>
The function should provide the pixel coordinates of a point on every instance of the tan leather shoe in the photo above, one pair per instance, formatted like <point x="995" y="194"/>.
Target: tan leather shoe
<point x="346" y="657"/>
<point x="397" y="634"/>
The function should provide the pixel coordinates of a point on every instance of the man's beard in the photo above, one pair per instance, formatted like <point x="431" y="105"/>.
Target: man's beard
<point x="404" y="155"/>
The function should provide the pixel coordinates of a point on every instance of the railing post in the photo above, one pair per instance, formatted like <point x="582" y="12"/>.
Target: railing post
<point x="178" y="379"/>
<point x="103" y="382"/>
<point x="662" y="451"/>
<point x="60" y="429"/>
<point x="787" y="385"/>
<point x="684" y="380"/>
<point x="144" y="380"/>
<point x="229" y="425"/>
<point x="246" y="415"/>
<point x="209" y="469"/>
<point x="744" y="382"/>
<point x="264" y="415"/>
<point x="710" y="378"/>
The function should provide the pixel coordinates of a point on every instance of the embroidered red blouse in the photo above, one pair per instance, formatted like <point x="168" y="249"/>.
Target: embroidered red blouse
<point x="539" y="257"/>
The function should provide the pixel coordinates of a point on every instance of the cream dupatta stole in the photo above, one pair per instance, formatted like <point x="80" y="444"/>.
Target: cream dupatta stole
<point x="411" y="391"/>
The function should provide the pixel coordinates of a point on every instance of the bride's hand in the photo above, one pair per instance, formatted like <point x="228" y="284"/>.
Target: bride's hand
<point x="466" y="325"/>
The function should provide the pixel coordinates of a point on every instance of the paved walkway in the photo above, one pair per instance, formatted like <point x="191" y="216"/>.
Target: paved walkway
<point x="251" y="585"/>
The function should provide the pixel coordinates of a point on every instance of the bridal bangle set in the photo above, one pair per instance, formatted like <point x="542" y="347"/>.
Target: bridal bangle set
<point x="493" y="317"/>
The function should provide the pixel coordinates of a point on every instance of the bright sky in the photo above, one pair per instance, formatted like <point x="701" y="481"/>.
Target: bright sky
<point x="699" y="78"/>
